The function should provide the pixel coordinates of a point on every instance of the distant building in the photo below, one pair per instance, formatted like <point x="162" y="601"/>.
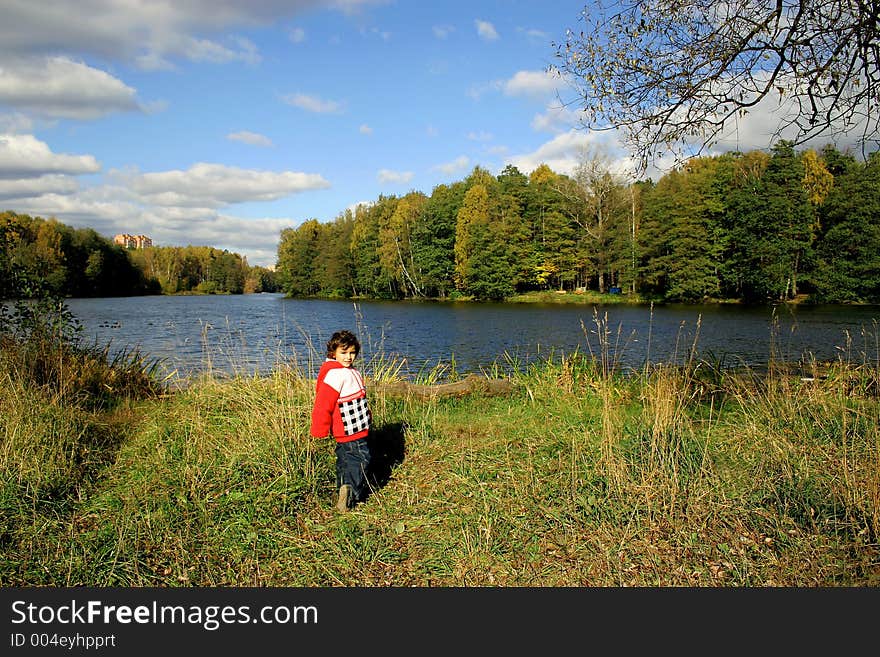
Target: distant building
<point x="133" y="241"/>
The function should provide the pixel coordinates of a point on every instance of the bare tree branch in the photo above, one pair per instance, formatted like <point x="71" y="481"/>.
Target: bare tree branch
<point x="673" y="75"/>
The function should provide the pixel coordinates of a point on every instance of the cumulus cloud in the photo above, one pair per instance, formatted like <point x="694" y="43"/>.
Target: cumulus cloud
<point x="457" y="165"/>
<point x="442" y="31"/>
<point x="109" y="210"/>
<point x="128" y="203"/>
<point x="313" y="103"/>
<point x="560" y="153"/>
<point x="365" y="129"/>
<point x="486" y="30"/>
<point x="38" y="186"/>
<point x="141" y="32"/>
<point x="215" y="185"/>
<point x="395" y="177"/>
<point x="532" y="83"/>
<point x="255" y="238"/>
<point x="761" y="127"/>
<point x="59" y="87"/>
<point x="15" y="122"/>
<point x="557" y="119"/>
<point x="251" y="138"/>
<point x="25" y="156"/>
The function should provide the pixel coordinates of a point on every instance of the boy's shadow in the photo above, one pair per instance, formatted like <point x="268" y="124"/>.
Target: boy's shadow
<point x="387" y="449"/>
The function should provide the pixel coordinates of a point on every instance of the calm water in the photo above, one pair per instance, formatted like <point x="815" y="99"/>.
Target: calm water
<point x="254" y="333"/>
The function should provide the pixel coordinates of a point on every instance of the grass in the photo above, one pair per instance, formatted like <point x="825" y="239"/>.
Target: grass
<point x="682" y="475"/>
<point x="590" y="297"/>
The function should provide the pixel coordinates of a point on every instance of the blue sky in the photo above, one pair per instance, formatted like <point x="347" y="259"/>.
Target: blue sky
<point x="222" y="122"/>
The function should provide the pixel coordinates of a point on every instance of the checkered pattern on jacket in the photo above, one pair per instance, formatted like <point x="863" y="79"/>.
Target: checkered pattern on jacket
<point x="355" y="415"/>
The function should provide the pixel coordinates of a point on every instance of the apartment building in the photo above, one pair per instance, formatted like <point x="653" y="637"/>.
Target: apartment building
<point x="133" y="241"/>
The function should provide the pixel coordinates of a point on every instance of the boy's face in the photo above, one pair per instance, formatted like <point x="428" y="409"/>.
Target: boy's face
<point x="345" y="355"/>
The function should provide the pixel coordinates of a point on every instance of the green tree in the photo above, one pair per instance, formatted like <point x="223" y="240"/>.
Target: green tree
<point x="470" y="228"/>
<point x="554" y="200"/>
<point x="433" y="239"/>
<point x="516" y="225"/>
<point x="683" y="213"/>
<point x="849" y="247"/>
<point x="396" y="244"/>
<point x="334" y="271"/>
<point x="370" y="277"/>
<point x="298" y="252"/>
<point x="774" y="228"/>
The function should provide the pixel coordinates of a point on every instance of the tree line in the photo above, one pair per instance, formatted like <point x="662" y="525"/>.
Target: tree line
<point x="751" y="226"/>
<point x="78" y="262"/>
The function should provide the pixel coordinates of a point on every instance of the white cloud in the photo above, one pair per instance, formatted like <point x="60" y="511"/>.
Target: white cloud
<point x="486" y="30"/>
<point x="255" y="238"/>
<point x="141" y="32"/>
<point x="458" y="164"/>
<point x="480" y="136"/>
<point x="15" y="122"/>
<point x="536" y="36"/>
<point x="354" y="6"/>
<point x="25" y="156"/>
<point x="365" y="129"/>
<point x="532" y="83"/>
<point x="442" y="31"/>
<point x="38" y="186"/>
<point x="252" y="138"/>
<point x="396" y="177"/>
<point x="215" y="185"/>
<point x="432" y="131"/>
<point x="109" y="211"/>
<point x="560" y="153"/>
<point x="557" y="119"/>
<point x="757" y="130"/>
<point x="124" y="207"/>
<point x="205" y="50"/>
<point x="61" y="88"/>
<point x="313" y="103"/>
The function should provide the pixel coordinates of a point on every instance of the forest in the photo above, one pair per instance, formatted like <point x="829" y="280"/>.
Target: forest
<point x="78" y="262"/>
<point x="751" y="227"/>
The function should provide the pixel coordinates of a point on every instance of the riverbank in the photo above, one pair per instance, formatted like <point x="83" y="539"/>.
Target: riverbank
<point x="673" y="477"/>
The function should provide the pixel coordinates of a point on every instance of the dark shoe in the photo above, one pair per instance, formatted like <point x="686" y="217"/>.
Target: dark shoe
<point x="344" y="499"/>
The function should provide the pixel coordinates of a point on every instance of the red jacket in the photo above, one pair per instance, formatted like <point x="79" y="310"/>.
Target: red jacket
<point x="341" y="408"/>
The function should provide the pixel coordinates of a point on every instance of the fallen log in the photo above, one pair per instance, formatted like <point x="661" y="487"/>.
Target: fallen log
<point x="471" y="384"/>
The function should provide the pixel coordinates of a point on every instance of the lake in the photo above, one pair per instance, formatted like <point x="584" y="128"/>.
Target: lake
<point x="254" y="333"/>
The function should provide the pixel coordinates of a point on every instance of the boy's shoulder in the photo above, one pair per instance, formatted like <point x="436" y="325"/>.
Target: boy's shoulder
<point x="333" y="370"/>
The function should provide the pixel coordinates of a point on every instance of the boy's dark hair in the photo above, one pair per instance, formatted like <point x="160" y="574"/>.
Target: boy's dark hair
<point x="342" y="339"/>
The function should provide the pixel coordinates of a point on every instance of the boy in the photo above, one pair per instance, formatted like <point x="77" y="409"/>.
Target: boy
<point x="341" y="410"/>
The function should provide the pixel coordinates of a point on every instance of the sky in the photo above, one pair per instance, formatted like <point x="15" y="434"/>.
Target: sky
<point x="222" y="122"/>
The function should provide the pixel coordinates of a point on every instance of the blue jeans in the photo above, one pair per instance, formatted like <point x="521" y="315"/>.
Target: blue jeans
<point x="352" y="464"/>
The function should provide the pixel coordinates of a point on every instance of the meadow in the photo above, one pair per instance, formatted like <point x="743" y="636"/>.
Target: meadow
<point x="580" y="475"/>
